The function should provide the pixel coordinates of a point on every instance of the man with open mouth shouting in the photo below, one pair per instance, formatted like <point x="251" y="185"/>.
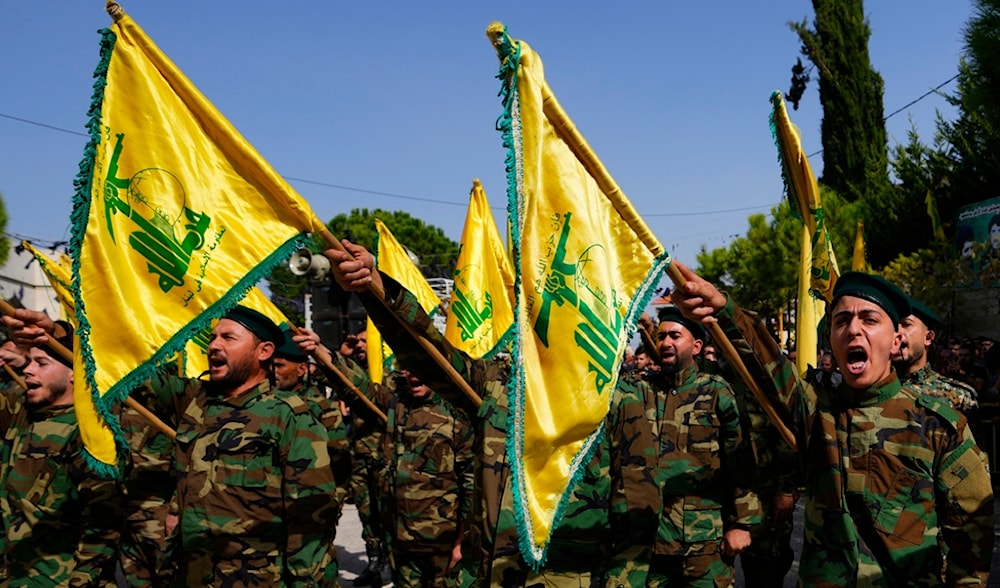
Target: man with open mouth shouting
<point x="894" y="480"/>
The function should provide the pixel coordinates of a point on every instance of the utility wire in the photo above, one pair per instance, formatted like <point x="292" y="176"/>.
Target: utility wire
<point x="463" y="203"/>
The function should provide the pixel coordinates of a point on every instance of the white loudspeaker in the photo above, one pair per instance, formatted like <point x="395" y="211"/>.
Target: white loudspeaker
<point x="304" y="263"/>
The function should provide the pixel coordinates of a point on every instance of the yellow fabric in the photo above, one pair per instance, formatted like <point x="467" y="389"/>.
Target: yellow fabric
<point x="817" y="263"/>
<point x="932" y="211"/>
<point x="802" y="187"/>
<point x="60" y="275"/>
<point x="392" y="259"/>
<point x="379" y="354"/>
<point x="180" y="208"/>
<point x="859" y="258"/>
<point x="586" y="267"/>
<point x="481" y="311"/>
<point x="196" y="349"/>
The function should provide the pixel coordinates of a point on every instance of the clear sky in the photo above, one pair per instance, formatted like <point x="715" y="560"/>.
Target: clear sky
<point x="393" y="104"/>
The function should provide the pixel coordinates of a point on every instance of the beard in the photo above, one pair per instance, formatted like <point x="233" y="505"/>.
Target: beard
<point x="240" y="370"/>
<point x="53" y="391"/>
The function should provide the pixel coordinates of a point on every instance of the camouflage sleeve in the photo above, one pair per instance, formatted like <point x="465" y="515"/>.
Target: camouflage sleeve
<point x="793" y="398"/>
<point x="101" y="519"/>
<point x="635" y="496"/>
<point x="402" y="307"/>
<point x="965" y="506"/>
<point x="465" y="458"/>
<point x="168" y="395"/>
<point x="358" y="377"/>
<point x="738" y="462"/>
<point x="308" y="499"/>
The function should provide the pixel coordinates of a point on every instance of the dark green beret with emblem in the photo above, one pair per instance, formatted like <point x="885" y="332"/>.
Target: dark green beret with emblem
<point x="673" y="314"/>
<point x="874" y="288"/>
<point x="257" y="323"/>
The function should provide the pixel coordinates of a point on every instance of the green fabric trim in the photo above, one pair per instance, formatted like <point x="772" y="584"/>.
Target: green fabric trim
<point x="503" y="343"/>
<point x="106" y="403"/>
<point x="509" y="126"/>
<point x="78" y="219"/>
<point x="776" y="100"/>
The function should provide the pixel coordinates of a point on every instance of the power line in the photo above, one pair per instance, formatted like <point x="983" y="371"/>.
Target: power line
<point x="909" y="104"/>
<point x="463" y="203"/>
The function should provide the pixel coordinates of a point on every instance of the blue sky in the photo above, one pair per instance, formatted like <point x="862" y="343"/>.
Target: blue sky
<point x="400" y="98"/>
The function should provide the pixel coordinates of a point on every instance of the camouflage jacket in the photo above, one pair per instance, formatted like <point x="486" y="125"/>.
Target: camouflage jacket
<point x="62" y="523"/>
<point x="961" y="396"/>
<point x="255" y="489"/>
<point x="890" y="476"/>
<point x="685" y="467"/>
<point x="338" y="446"/>
<point x="582" y="533"/>
<point x="428" y="482"/>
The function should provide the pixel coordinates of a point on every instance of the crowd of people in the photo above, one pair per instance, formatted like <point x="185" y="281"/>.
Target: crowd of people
<point x="693" y="469"/>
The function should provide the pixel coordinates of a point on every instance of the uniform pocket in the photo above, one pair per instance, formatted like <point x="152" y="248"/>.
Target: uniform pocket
<point x="248" y="462"/>
<point x="702" y="520"/>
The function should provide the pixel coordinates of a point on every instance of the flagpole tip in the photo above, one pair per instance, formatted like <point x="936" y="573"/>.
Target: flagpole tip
<point x="501" y="41"/>
<point x="115" y="11"/>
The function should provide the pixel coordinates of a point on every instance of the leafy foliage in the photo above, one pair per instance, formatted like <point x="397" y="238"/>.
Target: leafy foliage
<point x="436" y="251"/>
<point x="855" y="158"/>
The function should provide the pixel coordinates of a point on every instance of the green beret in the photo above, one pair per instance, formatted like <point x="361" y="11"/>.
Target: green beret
<point x="924" y="313"/>
<point x="874" y="288"/>
<point x="257" y="323"/>
<point x="288" y="349"/>
<point x="673" y="314"/>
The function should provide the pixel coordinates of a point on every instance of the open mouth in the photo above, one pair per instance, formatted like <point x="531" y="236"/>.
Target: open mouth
<point x="857" y="359"/>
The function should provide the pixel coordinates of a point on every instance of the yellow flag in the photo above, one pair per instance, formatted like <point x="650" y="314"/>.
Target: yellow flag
<point x="818" y="265"/>
<point x="60" y="275"/>
<point x="481" y="311"/>
<point x="859" y="257"/>
<point x="394" y="260"/>
<point x="586" y="267"/>
<point x="175" y="218"/>
<point x="932" y="211"/>
<point x="195" y="355"/>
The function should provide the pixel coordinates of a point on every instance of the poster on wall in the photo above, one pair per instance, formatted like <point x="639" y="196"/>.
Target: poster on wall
<point x="977" y="244"/>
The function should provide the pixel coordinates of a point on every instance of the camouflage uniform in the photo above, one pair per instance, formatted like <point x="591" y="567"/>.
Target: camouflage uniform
<point x="62" y="524"/>
<point x="685" y="477"/>
<point x="961" y="396"/>
<point x="365" y="436"/>
<point x="428" y="484"/>
<point x="492" y="538"/>
<point x="888" y="474"/>
<point x="150" y="487"/>
<point x="769" y="557"/>
<point x="327" y="412"/>
<point x="255" y="490"/>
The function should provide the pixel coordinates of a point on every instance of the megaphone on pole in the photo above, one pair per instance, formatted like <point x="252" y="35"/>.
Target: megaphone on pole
<point x="304" y="263"/>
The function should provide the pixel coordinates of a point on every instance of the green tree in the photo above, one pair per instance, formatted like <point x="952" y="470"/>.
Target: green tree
<point x="855" y="158"/>
<point x="760" y="270"/>
<point x="437" y="253"/>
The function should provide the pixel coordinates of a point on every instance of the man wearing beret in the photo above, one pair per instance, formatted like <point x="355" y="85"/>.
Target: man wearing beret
<point x="61" y="522"/>
<point x="291" y="370"/>
<point x="254" y="486"/>
<point x="699" y="491"/>
<point x="919" y="330"/>
<point x="890" y="476"/>
<point x="577" y="548"/>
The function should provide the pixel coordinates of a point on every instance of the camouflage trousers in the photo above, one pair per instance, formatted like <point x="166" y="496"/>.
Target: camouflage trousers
<point x="769" y="557"/>
<point x="709" y="570"/>
<point x="424" y="570"/>
<point x="364" y="492"/>
<point x="145" y="547"/>
<point x="512" y="572"/>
